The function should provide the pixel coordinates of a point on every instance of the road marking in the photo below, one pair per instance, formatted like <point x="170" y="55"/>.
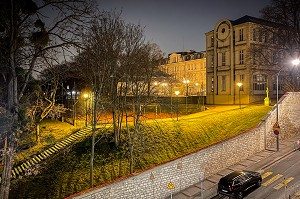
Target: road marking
<point x="272" y="180"/>
<point x="282" y="183"/>
<point x="263" y="176"/>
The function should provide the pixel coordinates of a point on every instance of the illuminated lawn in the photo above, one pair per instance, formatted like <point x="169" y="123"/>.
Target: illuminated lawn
<point x="162" y="140"/>
<point x="202" y="129"/>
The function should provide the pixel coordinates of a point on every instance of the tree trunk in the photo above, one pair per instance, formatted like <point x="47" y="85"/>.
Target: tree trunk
<point x="4" y="148"/>
<point x="6" y="174"/>
<point x="12" y="110"/>
<point x="38" y="133"/>
<point x="93" y="140"/>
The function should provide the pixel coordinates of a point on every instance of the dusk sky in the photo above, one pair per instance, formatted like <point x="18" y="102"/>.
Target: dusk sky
<point x="177" y="25"/>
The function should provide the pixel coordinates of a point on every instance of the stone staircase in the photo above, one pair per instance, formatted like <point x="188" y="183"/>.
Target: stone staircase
<point x="31" y="163"/>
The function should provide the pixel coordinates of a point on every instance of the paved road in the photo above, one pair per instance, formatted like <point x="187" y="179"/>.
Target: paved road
<point x="273" y="177"/>
<point x="265" y="162"/>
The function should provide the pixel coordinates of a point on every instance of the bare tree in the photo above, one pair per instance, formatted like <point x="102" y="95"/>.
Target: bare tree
<point x="118" y="63"/>
<point x="23" y="29"/>
<point x="286" y="15"/>
<point x="277" y="43"/>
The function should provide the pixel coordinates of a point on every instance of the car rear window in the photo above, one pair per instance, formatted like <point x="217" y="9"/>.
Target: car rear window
<point x="225" y="182"/>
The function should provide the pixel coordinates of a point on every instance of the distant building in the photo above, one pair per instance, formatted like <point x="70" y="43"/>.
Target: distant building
<point x="187" y="74"/>
<point x="230" y="59"/>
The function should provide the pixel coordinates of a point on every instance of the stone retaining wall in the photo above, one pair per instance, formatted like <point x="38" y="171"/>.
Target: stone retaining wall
<point x="188" y="170"/>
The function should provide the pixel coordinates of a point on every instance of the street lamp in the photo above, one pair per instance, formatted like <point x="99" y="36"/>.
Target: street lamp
<point x="295" y="62"/>
<point x="186" y="82"/>
<point x="239" y="85"/>
<point x="86" y="96"/>
<point x="177" y="93"/>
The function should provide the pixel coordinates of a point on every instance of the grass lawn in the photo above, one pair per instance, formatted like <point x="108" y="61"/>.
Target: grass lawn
<point x="160" y="141"/>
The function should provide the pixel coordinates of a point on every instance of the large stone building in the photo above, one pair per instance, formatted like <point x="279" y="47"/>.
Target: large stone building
<point x="230" y="59"/>
<point x="187" y="73"/>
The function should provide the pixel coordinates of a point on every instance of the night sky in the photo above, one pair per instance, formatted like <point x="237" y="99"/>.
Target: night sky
<point x="181" y="25"/>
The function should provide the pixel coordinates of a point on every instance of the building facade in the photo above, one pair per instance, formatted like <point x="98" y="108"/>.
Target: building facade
<point x="187" y="74"/>
<point x="231" y="60"/>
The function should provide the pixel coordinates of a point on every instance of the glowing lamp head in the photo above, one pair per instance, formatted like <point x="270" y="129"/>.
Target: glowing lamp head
<point x="85" y="95"/>
<point x="295" y="62"/>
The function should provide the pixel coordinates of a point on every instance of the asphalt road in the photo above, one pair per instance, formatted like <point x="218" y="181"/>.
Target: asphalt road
<point x="273" y="186"/>
<point x="273" y="176"/>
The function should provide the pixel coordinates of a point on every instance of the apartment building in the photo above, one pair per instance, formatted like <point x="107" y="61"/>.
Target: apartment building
<point x="187" y="72"/>
<point x="231" y="59"/>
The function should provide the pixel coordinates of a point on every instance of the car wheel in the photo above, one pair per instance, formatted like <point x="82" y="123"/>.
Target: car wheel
<point x="240" y="195"/>
<point x="258" y="183"/>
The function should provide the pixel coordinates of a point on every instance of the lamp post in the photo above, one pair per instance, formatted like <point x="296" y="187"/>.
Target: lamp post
<point x="240" y="85"/>
<point x="86" y="96"/>
<point x="164" y="88"/>
<point x="295" y="63"/>
<point x="186" y="82"/>
<point x="177" y="93"/>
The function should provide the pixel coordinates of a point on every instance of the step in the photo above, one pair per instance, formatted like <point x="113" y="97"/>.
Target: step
<point x="56" y="148"/>
<point x="61" y="145"/>
<point x="43" y="155"/>
<point x="16" y="171"/>
<point x="36" y="160"/>
<point x="27" y="164"/>
<point x="32" y="162"/>
<point x="52" y="150"/>
<point x="40" y="157"/>
<point x="20" y="169"/>
<point x="65" y="142"/>
<point x="23" y="166"/>
<point x="47" y="152"/>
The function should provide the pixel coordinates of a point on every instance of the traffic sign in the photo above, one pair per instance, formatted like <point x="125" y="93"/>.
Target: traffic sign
<point x="276" y="128"/>
<point x="171" y="186"/>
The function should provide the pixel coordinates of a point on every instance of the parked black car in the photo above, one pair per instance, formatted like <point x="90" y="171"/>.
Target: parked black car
<point x="237" y="183"/>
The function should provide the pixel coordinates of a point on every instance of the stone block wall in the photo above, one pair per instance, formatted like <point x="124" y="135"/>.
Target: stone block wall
<point x="188" y="170"/>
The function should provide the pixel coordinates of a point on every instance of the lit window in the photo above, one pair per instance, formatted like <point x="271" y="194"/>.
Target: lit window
<point x="259" y="82"/>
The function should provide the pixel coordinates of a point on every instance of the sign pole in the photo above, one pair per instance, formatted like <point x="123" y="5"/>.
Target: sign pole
<point x="171" y="186"/>
<point x="276" y="129"/>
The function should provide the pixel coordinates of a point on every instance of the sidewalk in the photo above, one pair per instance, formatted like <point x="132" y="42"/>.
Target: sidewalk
<point x="258" y="162"/>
